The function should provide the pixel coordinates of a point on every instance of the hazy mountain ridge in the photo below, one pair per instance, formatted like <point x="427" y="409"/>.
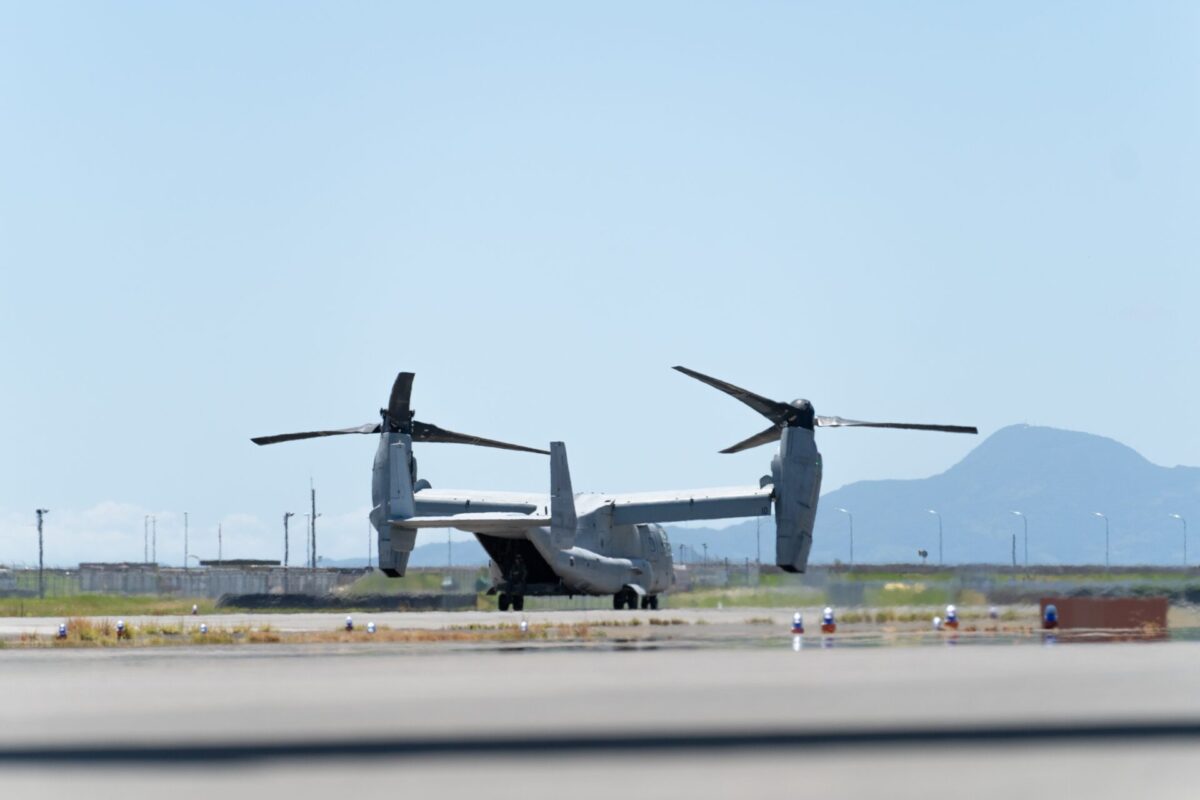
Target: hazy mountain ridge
<point x="1057" y="478"/>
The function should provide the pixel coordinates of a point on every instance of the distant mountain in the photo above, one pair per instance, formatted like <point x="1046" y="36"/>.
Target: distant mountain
<point x="1056" y="478"/>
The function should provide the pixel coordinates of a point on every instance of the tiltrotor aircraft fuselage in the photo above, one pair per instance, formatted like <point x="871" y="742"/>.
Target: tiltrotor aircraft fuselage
<point x="596" y="544"/>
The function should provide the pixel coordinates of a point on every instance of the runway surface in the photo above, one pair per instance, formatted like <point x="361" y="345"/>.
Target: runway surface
<point x="626" y="716"/>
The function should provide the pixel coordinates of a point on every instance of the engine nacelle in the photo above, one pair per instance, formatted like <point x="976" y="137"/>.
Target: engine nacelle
<point x="796" y="471"/>
<point x="392" y="498"/>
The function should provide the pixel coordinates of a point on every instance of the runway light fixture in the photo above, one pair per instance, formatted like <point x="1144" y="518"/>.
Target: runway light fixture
<point x="797" y="623"/>
<point x="828" y="622"/>
<point x="524" y="626"/>
<point x="1050" y="617"/>
<point x="203" y="629"/>
<point x="951" y="617"/>
<point x="937" y="623"/>
<point x="370" y="627"/>
<point x="349" y="624"/>
<point x="62" y="630"/>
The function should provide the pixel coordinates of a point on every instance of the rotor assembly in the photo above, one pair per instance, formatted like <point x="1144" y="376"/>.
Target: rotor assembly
<point x="800" y="414"/>
<point x="398" y="417"/>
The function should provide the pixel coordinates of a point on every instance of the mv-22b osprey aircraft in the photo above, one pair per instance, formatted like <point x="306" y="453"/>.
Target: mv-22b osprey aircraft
<point x="591" y="544"/>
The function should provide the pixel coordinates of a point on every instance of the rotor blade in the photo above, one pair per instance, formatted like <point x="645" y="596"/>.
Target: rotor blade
<point x="398" y="409"/>
<point x="771" y="434"/>
<point x="838" y="422"/>
<point x="424" y="432"/>
<point x="771" y="409"/>
<point x="370" y="427"/>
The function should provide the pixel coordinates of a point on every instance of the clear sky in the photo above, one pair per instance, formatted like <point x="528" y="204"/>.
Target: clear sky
<point x="220" y="220"/>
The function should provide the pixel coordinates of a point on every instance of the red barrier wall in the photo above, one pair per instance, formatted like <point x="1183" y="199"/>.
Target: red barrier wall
<point x="1109" y="612"/>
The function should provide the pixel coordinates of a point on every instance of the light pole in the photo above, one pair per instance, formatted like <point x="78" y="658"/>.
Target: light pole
<point x="1101" y="516"/>
<point x="1184" y="521"/>
<point x="312" y="523"/>
<point x="939" y="519"/>
<point x="41" y="512"/>
<point x="185" y="542"/>
<point x="154" y="538"/>
<point x="146" y="540"/>
<point x="758" y="540"/>
<point x="1025" y="521"/>
<point x="286" y="516"/>
<point x="851" y="519"/>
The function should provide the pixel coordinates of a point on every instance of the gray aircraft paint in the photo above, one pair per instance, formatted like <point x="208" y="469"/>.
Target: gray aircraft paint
<point x="591" y="543"/>
<point x="796" y="471"/>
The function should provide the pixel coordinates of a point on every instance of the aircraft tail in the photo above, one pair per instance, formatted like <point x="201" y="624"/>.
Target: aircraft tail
<point x="562" y="499"/>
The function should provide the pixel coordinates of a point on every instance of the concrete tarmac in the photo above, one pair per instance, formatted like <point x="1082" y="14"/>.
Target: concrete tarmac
<point x="630" y="718"/>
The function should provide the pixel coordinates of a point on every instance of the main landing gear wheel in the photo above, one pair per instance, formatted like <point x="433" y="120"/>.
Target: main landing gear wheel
<point x="504" y="601"/>
<point x="626" y="598"/>
<point x="518" y="602"/>
<point x="650" y="601"/>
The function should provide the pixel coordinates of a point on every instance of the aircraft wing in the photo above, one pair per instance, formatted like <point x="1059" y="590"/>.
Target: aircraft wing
<point x="689" y="504"/>
<point x="482" y="522"/>
<point x="443" y="502"/>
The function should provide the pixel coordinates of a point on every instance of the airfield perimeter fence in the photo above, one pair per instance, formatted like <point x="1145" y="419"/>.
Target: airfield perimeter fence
<point x="152" y="579"/>
<point x="710" y="584"/>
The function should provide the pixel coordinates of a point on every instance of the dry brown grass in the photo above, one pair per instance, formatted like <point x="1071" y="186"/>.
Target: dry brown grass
<point x="102" y="633"/>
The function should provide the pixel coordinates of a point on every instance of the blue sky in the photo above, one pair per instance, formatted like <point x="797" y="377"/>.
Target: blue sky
<point x="222" y="220"/>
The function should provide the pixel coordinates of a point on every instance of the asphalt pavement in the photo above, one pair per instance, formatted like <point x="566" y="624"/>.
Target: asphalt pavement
<point x="626" y="715"/>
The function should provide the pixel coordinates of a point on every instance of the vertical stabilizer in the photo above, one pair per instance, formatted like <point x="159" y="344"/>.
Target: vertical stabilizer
<point x="562" y="499"/>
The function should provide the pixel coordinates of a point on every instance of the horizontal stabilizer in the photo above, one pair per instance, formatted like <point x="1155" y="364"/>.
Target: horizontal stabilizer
<point x="485" y="522"/>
